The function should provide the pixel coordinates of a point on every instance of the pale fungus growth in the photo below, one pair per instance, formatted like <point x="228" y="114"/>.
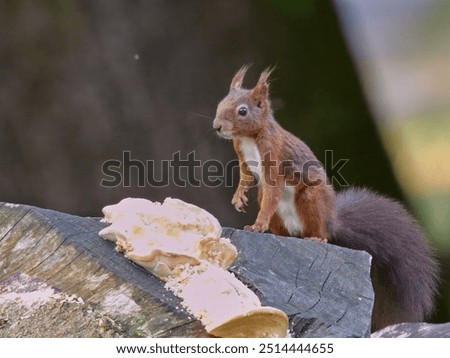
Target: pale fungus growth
<point x="181" y="244"/>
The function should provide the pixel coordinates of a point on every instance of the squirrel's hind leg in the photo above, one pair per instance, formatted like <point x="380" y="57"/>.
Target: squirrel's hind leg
<point x="315" y="206"/>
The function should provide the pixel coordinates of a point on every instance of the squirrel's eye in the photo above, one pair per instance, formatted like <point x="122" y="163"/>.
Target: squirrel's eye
<point x="242" y="111"/>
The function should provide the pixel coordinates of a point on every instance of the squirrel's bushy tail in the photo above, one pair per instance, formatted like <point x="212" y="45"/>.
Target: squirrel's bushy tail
<point x="404" y="269"/>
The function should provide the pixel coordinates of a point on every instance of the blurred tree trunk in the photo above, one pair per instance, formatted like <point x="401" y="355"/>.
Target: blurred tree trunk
<point x="82" y="81"/>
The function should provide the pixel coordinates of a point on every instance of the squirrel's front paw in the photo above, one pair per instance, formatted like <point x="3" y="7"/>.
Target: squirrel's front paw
<point x="256" y="227"/>
<point x="239" y="201"/>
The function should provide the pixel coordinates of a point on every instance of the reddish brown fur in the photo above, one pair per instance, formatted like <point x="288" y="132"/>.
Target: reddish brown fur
<point x="278" y="145"/>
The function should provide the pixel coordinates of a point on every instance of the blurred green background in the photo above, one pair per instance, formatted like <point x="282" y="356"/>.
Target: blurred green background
<point x="82" y="81"/>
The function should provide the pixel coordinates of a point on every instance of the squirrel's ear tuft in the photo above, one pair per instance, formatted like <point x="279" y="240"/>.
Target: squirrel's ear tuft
<point x="261" y="91"/>
<point x="238" y="78"/>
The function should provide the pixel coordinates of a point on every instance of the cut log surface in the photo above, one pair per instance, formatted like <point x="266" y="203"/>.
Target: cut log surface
<point x="324" y="289"/>
<point x="58" y="278"/>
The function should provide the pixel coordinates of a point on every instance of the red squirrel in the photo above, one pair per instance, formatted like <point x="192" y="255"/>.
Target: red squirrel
<point x="296" y="199"/>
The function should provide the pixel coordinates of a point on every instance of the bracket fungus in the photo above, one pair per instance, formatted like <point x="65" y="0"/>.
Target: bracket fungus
<point x="180" y="243"/>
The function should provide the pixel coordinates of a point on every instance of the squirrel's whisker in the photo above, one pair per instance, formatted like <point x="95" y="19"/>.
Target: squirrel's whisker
<point x="201" y="115"/>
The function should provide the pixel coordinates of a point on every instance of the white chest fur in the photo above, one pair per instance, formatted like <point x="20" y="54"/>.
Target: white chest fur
<point x="251" y="156"/>
<point x="287" y="210"/>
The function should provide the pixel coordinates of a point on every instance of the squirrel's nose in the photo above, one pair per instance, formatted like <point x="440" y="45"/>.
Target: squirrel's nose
<point x="216" y="125"/>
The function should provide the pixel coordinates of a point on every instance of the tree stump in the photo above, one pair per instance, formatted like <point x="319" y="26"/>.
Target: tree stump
<point x="58" y="278"/>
